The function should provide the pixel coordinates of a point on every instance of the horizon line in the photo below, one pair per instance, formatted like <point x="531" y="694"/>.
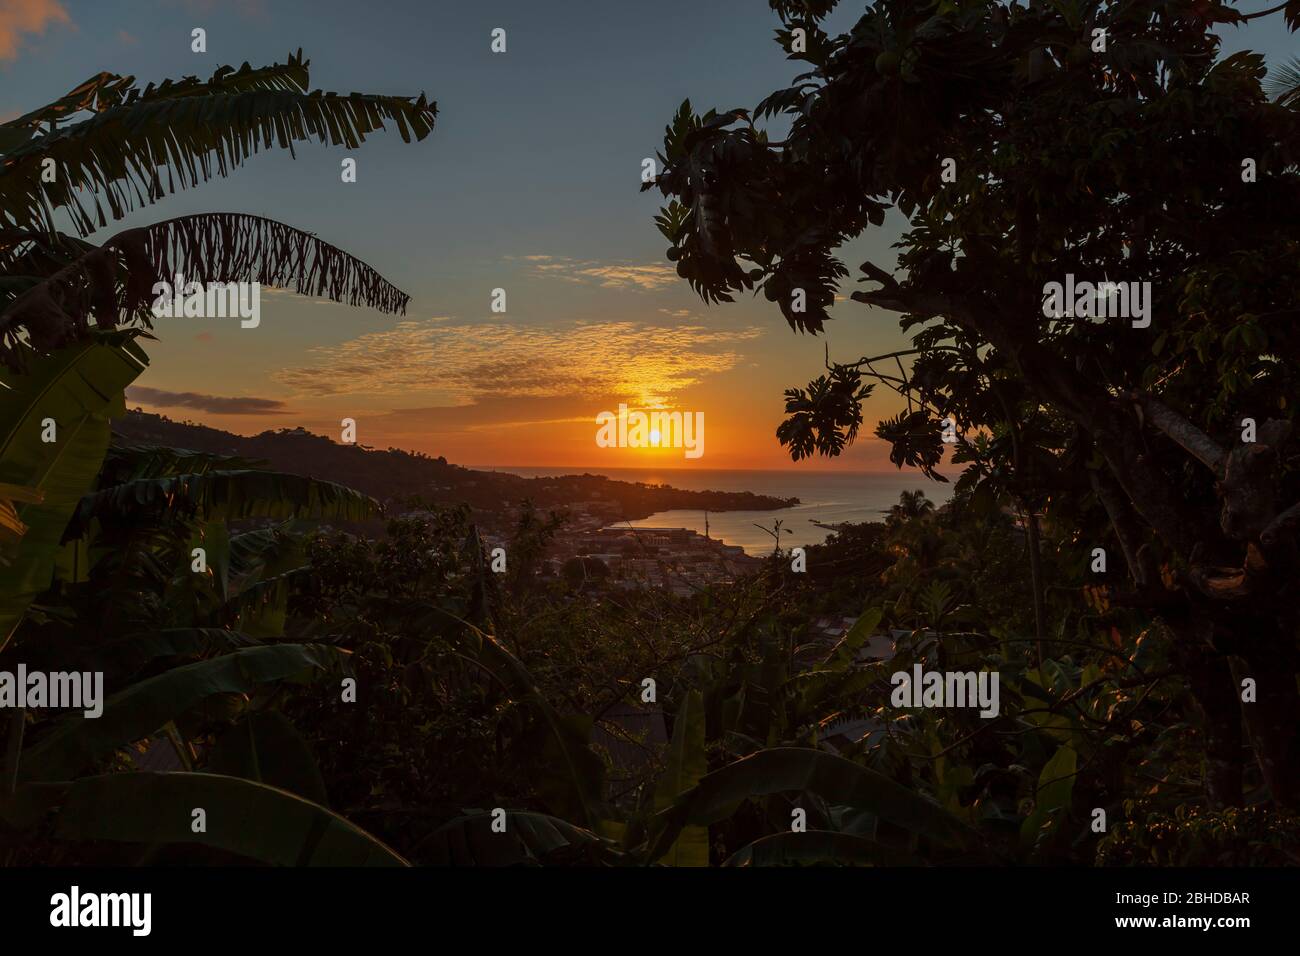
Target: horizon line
<point x="595" y="469"/>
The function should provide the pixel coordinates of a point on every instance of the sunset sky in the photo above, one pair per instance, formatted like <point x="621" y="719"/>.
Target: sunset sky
<point x="529" y="182"/>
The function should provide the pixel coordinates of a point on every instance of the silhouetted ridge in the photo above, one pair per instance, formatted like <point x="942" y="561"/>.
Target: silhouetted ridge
<point x="395" y="476"/>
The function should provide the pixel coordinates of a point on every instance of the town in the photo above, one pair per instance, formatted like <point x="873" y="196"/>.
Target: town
<point x="675" y="559"/>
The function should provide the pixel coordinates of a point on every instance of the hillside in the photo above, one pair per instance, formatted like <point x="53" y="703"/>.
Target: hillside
<point x="395" y="477"/>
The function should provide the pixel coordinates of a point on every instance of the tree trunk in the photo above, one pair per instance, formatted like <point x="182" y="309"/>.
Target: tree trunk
<point x="1211" y="683"/>
<point x="1036" y="580"/>
<point x="1273" y="719"/>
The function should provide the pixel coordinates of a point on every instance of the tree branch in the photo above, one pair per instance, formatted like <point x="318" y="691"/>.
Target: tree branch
<point x="1121" y="520"/>
<point x="1192" y="440"/>
<point x="1058" y="382"/>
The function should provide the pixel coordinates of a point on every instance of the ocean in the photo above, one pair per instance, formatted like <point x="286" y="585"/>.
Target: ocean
<point x="828" y="497"/>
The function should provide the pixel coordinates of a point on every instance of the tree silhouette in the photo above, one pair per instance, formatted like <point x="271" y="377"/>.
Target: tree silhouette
<point x="1024" y="144"/>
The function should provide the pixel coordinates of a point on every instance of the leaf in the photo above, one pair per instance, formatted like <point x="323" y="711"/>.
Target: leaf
<point x="222" y="496"/>
<point x="98" y="92"/>
<point x="193" y="130"/>
<point x="530" y="839"/>
<point x="214" y="539"/>
<point x="916" y="441"/>
<point x="783" y="769"/>
<point x="128" y="462"/>
<point x="1058" y="726"/>
<point x="1055" y="788"/>
<point x="126" y="656"/>
<point x="264" y="565"/>
<point x="118" y="278"/>
<point x="261" y="609"/>
<point x="572" y="775"/>
<point x="845" y="652"/>
<point x="266" y="747"/>
<point x="135" y="713"/>
<point x="818" y="687"/>
<point x="686" y="764"/>
<point x="244" y="817"/>
<point x="819" y="847"/>
<point x="79" y="388"/>
<point x="574" y="761"/>
<point x="11" y="526"/>
<point x="267" y="552"/>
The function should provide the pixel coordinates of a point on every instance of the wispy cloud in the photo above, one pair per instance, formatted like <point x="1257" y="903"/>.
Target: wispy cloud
<point x="460" y="363"/>
<point x="215" y="404"/>
<point x="648" y="278"/>
<point x="489" y="413"/>
<point x="18" y="17"/>
<point x="275" y="291"/>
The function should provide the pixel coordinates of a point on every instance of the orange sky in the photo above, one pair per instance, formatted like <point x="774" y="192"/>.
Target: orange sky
<point x="497" y="391"/>
<point x="508" y="192"/>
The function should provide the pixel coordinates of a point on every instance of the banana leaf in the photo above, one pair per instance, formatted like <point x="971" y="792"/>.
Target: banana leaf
<point x="687" y="763"/>
<point x="782" y="769"/>
<point x="135" y="713"/>
<point x="240" y="816"/>
<point x="79" y="387"/>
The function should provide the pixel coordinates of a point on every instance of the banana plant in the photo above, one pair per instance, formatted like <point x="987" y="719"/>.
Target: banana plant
<point x="171" y="662"/>
<point x="243" y="817"/>
<point x="140" y="570"/>
<point x="109" y="140"/>
<point x="54" y="432"/>
<point x="686" y="799"/>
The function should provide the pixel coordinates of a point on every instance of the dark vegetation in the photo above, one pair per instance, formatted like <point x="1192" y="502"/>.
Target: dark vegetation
<point x="1154" y="160"/>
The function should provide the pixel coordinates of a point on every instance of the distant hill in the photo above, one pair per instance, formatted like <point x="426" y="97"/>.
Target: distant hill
<point x="396" y="476"/>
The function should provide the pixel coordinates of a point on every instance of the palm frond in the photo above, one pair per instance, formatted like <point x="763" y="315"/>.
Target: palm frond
<point x="104" y="90"/>
<point x="142" y="144"/>
<point x="28" y="256"/>
<point x="113" y="283"/>
<point x="96" y="93"/>
<point x="1283" y="83"/>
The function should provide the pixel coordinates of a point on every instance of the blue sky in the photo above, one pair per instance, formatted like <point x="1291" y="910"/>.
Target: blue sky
<point x="529" y="182"/>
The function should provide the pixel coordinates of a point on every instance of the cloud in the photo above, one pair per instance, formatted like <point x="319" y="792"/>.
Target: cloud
<point x="26" y="16"/>
<point x="648" y="278"/>
<point x="460" y="363"/>
<point x="488" y="413"/>
<point x="127" y="39"/>
<point x="276" y="291"/>
<point x="205" y="403"/>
